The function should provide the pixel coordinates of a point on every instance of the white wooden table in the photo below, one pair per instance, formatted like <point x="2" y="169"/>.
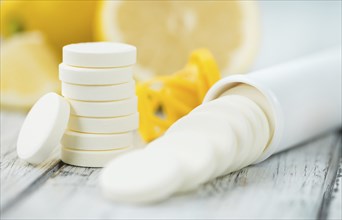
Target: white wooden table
<point x="304" y="182"/>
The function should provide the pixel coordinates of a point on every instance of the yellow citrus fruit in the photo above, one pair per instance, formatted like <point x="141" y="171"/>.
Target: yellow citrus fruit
<point x="28" y="70"/>
<point x="167" y="31"/>
<point x="62" y="22"/>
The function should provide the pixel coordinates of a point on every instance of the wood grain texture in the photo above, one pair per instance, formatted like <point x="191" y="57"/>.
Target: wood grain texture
<point x="287" y="185"/>
<point x="334" y="209"/>
<point x="334" y="191"/>
<point x="17" y="176"/>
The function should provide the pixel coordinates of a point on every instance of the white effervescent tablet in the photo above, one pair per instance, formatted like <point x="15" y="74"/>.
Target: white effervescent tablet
<point x="231" y="113"/>
<point x="104" y="109"/>
<point x="141" y="177"/>
<point x="213" y="127"/>
<point x="93" y="158"/>
<point x="91" y="76"/>
<point x="99" y="93"/>
<point x="43" y="128"/>
<point x="99" y="54"/>
<point x="104" y="125"/>
<point x="250" y="111"/>
<point x="85" y="141"/>
<point x="259" y="123"/>
<point x="195" y="152"/>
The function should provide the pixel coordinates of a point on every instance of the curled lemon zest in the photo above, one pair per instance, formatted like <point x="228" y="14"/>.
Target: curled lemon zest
<point x="163" y="100"/>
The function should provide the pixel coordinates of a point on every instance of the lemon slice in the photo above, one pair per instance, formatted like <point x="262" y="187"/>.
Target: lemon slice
<point x="28" y="70"/>
<point x="165" y="32"/>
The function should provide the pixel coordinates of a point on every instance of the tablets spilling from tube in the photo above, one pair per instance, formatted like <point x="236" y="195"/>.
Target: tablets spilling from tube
<point x="215" y="138"/>
<point x="243" y="120"/>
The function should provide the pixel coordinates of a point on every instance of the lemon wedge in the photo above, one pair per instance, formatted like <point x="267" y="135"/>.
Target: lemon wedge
<point x="167" y="31"/>
<point x="28" y="70"/>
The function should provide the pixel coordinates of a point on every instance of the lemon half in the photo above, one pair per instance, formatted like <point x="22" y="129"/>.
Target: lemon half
<point x="62" y="22"/>
<point x="29" y="69"/>
<point x="167" y="31"/>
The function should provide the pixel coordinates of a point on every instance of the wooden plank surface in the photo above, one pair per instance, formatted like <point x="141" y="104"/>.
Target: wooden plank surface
<point x="17" y="176"/>
<point x="298" y="183"/>
<point x="334" y="210"/>
<point x="335" y="198"/>
<point x="332" y="203"/>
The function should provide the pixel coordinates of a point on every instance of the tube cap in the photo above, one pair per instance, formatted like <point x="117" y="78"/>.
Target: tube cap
<point x="43" y="128"/>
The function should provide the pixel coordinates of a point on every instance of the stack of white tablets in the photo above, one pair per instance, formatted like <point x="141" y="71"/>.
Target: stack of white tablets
<point x="97" y="80"/>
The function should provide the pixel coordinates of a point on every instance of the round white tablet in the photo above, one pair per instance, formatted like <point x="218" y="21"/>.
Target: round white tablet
<point x="85" y="158"/>
<point x="259" y="123"/>
<point x="99" y="54"/>
<point x="141" y="177"/>
<point x="232" y="113"/>
<point x="84" y="141"/>
<point x="104" y="109"/>
<point x="250" y="111"/>
<point x="98" y="93"/>
<point x="195" y="152"/>
<point x="213" y="127"/>
<point x="43" y="128"/>
<point x="248" y="146"/>
<point x="104" y="125"/>
<point x="91" y="76"/>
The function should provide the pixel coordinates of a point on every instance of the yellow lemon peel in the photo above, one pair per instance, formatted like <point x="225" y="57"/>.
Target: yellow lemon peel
<point x="165" y="99"/>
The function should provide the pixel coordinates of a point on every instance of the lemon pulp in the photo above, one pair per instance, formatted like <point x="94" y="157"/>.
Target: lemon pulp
<point x="167" y="31"/>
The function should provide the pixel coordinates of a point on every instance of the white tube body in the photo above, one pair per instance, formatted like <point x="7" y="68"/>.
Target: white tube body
<point x="304" y="96"/>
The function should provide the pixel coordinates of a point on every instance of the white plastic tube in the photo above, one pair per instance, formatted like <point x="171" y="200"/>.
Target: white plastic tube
<point x="304" y="97"/>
